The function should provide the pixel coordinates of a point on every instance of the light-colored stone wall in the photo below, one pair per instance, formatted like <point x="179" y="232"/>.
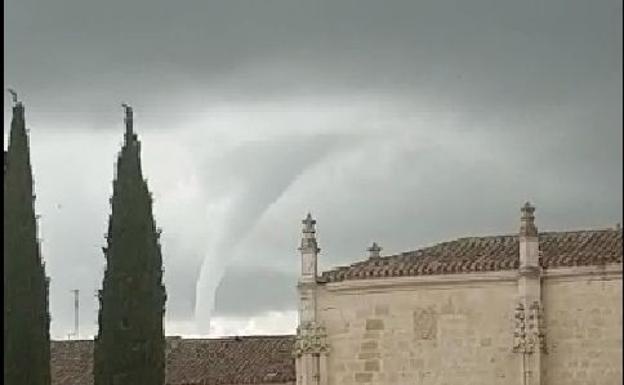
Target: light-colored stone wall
<point x="583" y="316"/>
<point x="448" y="330"/>
<point x="271" y="383"/>
<point x="421" y="333"/>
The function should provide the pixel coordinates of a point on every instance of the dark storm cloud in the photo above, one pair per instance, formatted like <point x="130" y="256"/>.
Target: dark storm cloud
<point x="524" y="52"/>
<point x="404" y="122"/>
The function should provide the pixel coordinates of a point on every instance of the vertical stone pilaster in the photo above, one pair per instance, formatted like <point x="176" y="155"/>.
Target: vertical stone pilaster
<point x="323" y="369"/>
<point x="309" y="251"/>
<point x="529" y="335"/>
<point x="310" y="353"/>
<point x="311" y="347"/>
<point x="298" y="370"/>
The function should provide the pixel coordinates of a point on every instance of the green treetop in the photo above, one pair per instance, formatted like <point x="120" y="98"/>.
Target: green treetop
<point x="130" y="346"/>
<point x="26" y="317"/>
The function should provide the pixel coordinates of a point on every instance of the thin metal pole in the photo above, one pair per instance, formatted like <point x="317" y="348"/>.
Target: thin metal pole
<point x="76" y="313"/>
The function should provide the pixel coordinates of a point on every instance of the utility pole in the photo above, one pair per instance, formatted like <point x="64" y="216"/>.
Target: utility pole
<point x="76" y="313"/>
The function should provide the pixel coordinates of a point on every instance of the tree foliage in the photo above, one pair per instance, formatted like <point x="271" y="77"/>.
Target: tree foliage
<point x="26" y="315"/>
<point x="130" y="346"/>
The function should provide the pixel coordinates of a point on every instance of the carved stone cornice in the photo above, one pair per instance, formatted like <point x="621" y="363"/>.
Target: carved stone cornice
<point x="509" y="277"/>
<point x="530" y="271"/>
<point x="311" y="339"/>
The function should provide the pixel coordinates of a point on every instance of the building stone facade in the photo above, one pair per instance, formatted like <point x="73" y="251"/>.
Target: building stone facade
<point x="526" y="309"/>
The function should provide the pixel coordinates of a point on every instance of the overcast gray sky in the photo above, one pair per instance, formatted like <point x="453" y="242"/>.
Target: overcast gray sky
<point x="401" y="122"/>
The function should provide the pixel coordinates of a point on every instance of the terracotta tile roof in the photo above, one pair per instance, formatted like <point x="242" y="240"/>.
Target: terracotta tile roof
<point x="71" y="362"/>
<point x="231" y="361"/>
<point x="243" y="360"/>
<point x="572" y="248"/>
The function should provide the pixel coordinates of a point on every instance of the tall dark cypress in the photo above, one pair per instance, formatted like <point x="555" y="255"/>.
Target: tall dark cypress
<point x="26" y="316"/>
<point x="130" y="346"/>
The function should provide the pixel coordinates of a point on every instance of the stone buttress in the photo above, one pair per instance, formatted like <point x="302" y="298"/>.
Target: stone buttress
<point x="311" y="346"/>
<point x="529" y="334"/>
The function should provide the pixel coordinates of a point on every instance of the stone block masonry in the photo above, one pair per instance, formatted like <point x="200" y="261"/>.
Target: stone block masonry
<point x="426" y="335"/>
<point x="584" y="326"/>
<point x="463" y="332"/>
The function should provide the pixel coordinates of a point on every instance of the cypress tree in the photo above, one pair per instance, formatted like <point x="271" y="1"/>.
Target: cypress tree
<point x="26" y="316"/>
<point x="130" y="345"/>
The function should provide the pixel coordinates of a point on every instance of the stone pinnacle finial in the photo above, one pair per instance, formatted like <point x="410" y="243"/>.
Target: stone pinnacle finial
<point x="308" y="224"/>
<point x="374" y="250"/>
<point x="308" y="239"/>
<point x="527" y="220"/>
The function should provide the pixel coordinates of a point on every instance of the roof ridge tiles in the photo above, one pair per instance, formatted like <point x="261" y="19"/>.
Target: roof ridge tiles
<point x="491" y="252"/>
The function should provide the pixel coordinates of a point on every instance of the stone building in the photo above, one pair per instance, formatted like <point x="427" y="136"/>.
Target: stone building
<point x="530" y="308"/>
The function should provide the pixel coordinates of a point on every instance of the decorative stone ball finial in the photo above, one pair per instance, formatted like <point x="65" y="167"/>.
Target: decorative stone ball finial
<point x="527" y="220"/>
<point x="374" y="250"/>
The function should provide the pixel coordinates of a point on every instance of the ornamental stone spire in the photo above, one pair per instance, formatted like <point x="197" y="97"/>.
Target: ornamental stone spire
<point x="374" y="251"/>
<point x="528" y="239"/>
<point x="308" y="238"/>
<point x="307" y="280"/>
<point x="311" y="346"/>
<point x="529" y="333"/>
<point x="527" y="221"/>
<point x="308" y="224"/>
<point x="309" y="250"/>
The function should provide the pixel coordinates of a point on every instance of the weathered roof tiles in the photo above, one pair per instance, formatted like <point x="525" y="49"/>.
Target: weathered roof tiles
<point x="493" y="253"/>
<point x="223" y="361"/>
